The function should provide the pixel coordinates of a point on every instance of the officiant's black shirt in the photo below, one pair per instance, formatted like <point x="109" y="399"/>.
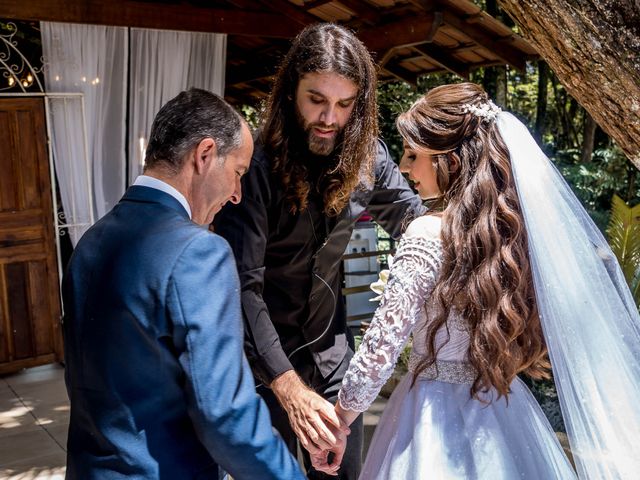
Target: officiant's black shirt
<point x="289" y="264"/>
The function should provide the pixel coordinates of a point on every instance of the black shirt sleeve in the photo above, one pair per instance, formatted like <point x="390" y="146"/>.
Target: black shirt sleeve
<point x="246" y="227"/>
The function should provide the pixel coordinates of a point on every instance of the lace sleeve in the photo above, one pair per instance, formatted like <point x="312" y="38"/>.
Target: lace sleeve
<point x="411" y="280"/>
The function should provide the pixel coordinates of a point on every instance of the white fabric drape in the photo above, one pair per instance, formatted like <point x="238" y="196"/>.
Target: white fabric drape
<point x="73" y="170"/>
<point x="590" y="322"/>
<point x="163" y="63"/>
<point x="91" y="60"/>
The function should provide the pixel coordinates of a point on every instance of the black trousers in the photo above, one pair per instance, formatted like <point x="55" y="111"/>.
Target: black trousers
<point x="328" y="388"/>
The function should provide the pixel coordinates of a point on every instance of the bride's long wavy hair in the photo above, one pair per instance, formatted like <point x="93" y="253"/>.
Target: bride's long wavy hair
<point x="486" y="269"/>
<point x="323" y="47"/>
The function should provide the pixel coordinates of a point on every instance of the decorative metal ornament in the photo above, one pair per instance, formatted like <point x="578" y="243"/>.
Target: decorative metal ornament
<point x="16" y="71"/>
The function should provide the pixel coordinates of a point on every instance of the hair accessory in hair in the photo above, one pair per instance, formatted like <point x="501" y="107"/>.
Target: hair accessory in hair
<point x="487" y="111"/>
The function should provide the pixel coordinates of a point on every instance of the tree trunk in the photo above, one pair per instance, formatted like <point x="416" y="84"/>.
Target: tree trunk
<point x="489" y="80"/>
<point x="631" y="179"/>
<point x="501" y="86"/>
<point x="593" y="46"/>
<point x="543" y="83"/>
<point x="495" y="78"/>
<point x="494" y="82"/>
<point x="588" y="137"/>
<point x="572" y="130"/>
<point x="564" y="137"/>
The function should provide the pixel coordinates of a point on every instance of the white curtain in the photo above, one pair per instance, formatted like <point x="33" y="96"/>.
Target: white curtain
<point x="163" y="63"/>
<point x="73" y="170"/>
<point x="91" y="60"/>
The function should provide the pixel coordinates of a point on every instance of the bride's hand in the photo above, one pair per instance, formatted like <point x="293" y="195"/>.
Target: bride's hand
<point x="320" y="461"/>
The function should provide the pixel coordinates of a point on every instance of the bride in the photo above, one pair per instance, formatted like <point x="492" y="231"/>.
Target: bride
<point x="506" y="272"/>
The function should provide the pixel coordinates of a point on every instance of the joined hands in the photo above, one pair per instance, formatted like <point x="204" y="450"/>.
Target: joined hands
<point x="314" y="421"/>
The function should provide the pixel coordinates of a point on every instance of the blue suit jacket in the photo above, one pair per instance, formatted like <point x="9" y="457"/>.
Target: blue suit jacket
<point x="158" y="382"/>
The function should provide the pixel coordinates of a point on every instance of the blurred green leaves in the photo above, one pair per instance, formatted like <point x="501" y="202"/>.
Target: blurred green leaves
<point x="624" y="237"/>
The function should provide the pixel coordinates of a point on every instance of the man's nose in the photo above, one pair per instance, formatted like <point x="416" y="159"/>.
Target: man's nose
<point x="328" y="115"/>
<point x="236" y="196"/>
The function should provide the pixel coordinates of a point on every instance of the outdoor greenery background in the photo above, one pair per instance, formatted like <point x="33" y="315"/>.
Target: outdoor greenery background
<point x="595" y="171"/>
<point x="559" y="128"/>
<point x="595" y="175"/>
<point x="560" y="132"/>
<point x="589" y="160"/>
<point x="591" y="163"/>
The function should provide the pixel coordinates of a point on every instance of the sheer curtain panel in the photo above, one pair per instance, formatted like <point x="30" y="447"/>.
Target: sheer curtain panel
<point x="91" y="60"/>
<point x="73" y="170"/>
<point x="163" y="63"/>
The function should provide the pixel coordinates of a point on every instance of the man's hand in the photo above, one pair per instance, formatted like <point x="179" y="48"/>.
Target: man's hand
<point x="312" y="418"/>
<point x="321" y="461"/>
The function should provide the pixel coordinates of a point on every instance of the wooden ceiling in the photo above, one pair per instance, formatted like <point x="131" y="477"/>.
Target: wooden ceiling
<point x="408" y="38"/>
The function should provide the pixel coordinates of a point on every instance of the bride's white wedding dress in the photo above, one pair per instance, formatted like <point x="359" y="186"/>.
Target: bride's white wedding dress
<point x="434" y="429"/>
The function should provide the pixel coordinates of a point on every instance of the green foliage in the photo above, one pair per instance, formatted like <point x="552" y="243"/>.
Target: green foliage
<point x="546" y="395"/>
<point x="594" y="182"/>
<point x="251" y="115"/>
<point x="624" y="237"/>
<point x="522" y="93"/>
<point x="23" y="32"/>
<point x="609" y="173"/>
<point x="393" y="99"/>
<point x="396" y="97"/>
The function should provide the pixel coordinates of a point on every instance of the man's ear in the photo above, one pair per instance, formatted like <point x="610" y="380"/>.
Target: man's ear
<point x="205" y="154"/>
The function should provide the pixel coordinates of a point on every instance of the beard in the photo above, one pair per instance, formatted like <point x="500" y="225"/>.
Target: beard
<point x="320" y="146"/>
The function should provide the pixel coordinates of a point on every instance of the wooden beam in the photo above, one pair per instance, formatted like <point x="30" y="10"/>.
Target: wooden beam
<point x="363" y="11"/>
<point x="398" y="71"/>
<point x="238" y="97"/>
<point x="131" y="13"/>
<point x="315" y="4"/>
<point x="405" y="32"/>
<point x="288" y="9"/>
<point x="383" y="40"/>
<point x="467" y="47"/>
<point x="500" y="47"/>
<point x="426" y="5"/>
<point x="262" y="67"/>
<point x="443" y="58"/>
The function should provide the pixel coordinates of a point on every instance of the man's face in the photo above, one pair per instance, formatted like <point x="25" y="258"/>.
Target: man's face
<point x="223" y="179"/>
<point x="324" y="102"/>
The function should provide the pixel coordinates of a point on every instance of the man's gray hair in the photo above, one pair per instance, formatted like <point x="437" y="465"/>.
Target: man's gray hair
<point x="184" y="121"/>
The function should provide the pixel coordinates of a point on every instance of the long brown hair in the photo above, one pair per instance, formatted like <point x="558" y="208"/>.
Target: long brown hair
<point x="485" y="267"/>
<point x="321" y="48"/>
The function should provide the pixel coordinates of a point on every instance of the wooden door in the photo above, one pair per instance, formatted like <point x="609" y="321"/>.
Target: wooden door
<point x="30" y="332"/>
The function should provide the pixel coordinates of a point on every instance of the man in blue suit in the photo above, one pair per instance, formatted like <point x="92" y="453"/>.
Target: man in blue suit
<point x="158" y="382"/>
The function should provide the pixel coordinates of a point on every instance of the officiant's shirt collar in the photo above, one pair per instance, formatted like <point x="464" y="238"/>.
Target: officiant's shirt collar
<point x="146" y="181"/>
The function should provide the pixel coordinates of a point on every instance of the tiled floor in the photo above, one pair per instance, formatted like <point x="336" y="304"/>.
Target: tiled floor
<point x="34" y="416"/>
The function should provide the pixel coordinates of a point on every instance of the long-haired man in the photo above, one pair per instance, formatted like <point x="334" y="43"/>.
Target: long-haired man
<point x="317" y="166"/>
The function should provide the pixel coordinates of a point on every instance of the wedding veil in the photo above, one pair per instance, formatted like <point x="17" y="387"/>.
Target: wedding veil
<point x="590" y="321"/>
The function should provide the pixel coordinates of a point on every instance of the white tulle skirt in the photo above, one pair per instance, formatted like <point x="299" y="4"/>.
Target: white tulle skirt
<point x="434" y="431"/>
